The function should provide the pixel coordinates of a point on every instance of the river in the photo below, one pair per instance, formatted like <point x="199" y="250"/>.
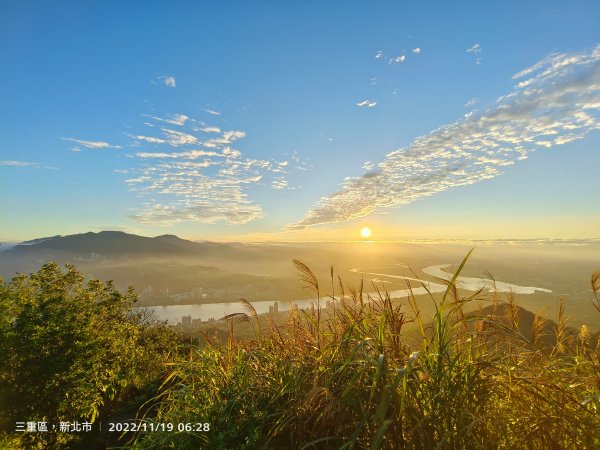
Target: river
<point x="173" y="313"/>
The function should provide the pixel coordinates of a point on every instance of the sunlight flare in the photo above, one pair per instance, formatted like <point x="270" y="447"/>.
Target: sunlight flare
<point x="365" y="232"/>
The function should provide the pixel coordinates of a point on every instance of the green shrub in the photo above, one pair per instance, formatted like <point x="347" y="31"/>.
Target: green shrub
<point x="70" y="349"/>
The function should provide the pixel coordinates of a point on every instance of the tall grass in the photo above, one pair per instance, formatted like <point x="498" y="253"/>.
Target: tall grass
<point x="374" y="373"/>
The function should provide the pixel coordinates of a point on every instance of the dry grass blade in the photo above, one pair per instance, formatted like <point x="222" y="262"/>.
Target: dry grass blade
<point x="596" y="281"/>
<point x="274" y="326"/>
<point x="584" y="335"/>
<point x="538" y="326"/>
<point x="341" y="285"/>
<point x="237" y="317"/>
<point x="249" y="307"/>
<point x="307" y="275"/>
<point x="596" y="289"/>
<point x="356" y="382"/>
<point x="561" y="326"/>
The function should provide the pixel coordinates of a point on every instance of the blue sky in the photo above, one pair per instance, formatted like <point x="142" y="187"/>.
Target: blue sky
<point x="239" y="120"/>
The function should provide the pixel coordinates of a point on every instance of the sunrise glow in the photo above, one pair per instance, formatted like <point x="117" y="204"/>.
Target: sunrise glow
<point x="365" y="232"/>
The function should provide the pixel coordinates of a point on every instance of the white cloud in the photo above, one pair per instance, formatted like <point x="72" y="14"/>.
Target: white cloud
<point x="198" y="185"/>
<point x="183" y="191"/>
<point x="137" y="180"/>
<point x="177" y="138"/>
<point x="476" y="48"/>
<point x="231" y="153"/>
<point x="168" y="80"/>
<point x="367" y="103"/>
<point x="298" y="163"/>
<point x="472" y="102"/>
<point x="227" y="137"/>
<point x="192" y="154"/>
<point x="416" y="51"/>
<point x="212" y="112"/>
<point x="18" y="164"/>
<point x="91" y="144"/>
<point x="210" y="129"/>
<point x="552" y="107"/>
<point x="379" y="54"/>
<point x="150" y="139"/>
<point x="279" y="183"/>
<point x="175" y="119"/>
<point x="397" y="59"/>
<point x="201" y="211"/>
<point x="178" y="183"/>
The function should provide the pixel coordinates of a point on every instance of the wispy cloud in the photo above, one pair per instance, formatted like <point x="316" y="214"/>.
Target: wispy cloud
<point x="227" y="137"/>
<point x="174" y="119"/>
<point x="379" y="54"/>
<point x="471" y="102"/>
<point x="150" y="139"/>
<point x="209" y="191"/>
<point x="174" y="138"/>
<point x="168" y="80"/>
<point x="209" y="129"/>
<point x="476" y="48"/>
<point x="18" y="164"/>
<point x="207" y="185"/>
<point x="212" y="112"/>
<point x="279" y="183"/>
<point x="25" y="164"/>
<point x="190" y="171"/>
<point x="366" y="103"/>
<point x="96" y="145"/>
<point x="553" y="106"/>
<point x="416" y="51"/>
<point x="177" y="138"/>
<point x="192" y="154"/>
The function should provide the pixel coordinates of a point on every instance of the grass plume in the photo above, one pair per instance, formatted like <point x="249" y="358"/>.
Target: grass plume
<point x="373" y="372"/>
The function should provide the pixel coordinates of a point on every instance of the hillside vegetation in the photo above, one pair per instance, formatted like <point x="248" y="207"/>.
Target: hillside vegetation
<point x="354" y="379"/>
<point x="71" y="351"/>
<point x="370" y="373"/>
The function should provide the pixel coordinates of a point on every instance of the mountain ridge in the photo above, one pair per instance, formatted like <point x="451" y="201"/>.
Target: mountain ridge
<point x="109" y="243"/>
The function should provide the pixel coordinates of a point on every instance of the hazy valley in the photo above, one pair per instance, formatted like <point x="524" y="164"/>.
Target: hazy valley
<point x="167" y="270"/>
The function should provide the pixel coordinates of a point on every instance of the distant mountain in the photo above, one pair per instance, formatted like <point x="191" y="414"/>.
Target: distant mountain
<point x="88" y="250"/>
<point x="170" y="268"/>
<point x="38" y="240"/>
<point x="107" y="243"/>
<point x="5" y="246"/>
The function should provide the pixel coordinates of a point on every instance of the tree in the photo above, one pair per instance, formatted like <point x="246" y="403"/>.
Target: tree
<point x="70" y="348"/>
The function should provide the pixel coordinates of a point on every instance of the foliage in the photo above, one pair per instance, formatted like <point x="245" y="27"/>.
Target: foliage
<point x="350" y="379"/>
<point x="70" y="349"/>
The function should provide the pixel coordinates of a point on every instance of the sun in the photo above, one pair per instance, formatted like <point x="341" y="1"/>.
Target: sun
<point x="365" y="232"/>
